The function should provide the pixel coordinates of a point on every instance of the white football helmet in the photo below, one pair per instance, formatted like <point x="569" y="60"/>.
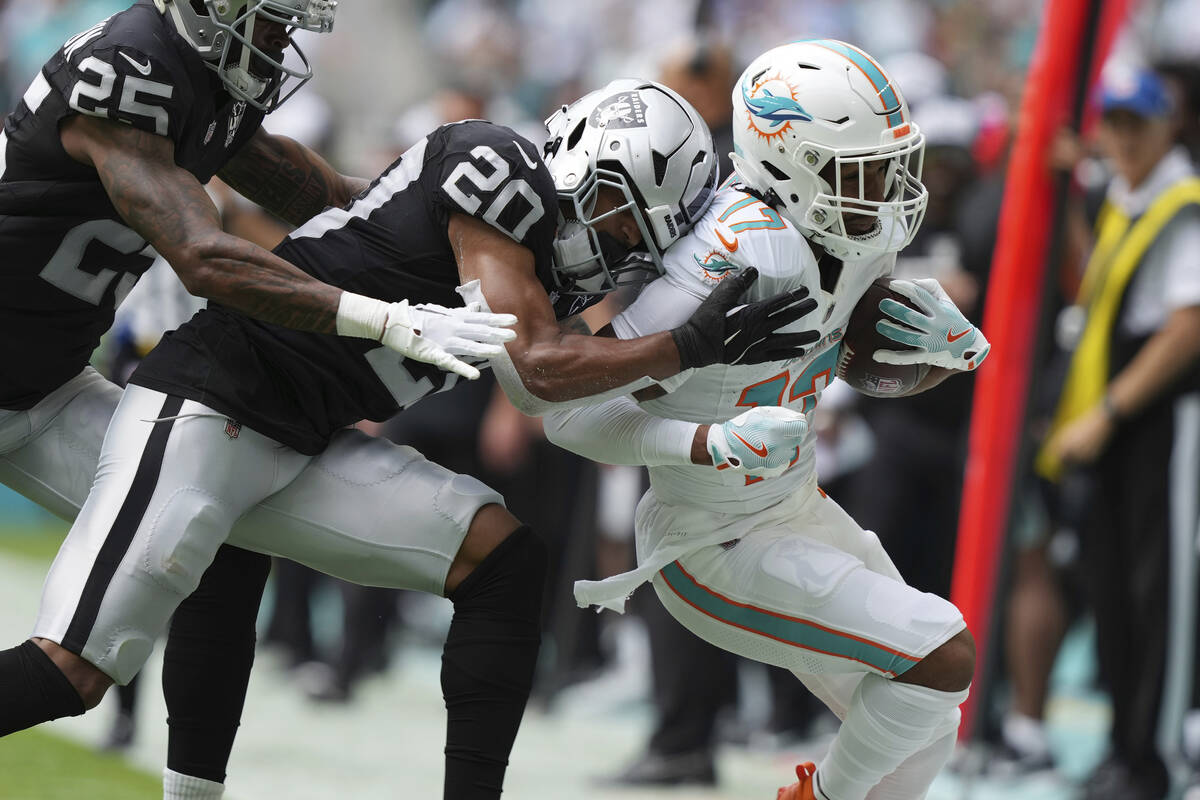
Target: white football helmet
<point x="222" y="32"/>
<point x="647" y="142"/>
<point x="802" y="107"/>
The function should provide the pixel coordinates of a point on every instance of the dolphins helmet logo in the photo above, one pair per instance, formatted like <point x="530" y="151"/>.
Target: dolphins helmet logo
<point x="772" y="106"/>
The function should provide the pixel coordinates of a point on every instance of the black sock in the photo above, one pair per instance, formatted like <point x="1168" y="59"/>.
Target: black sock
<point x="488" y="664"/>
<point x="35" y="690"/>
<point x="206" y="664"/>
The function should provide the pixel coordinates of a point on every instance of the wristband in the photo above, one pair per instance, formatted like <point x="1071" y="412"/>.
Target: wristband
<point x="361" y="317"/>
<point x="692" y="347"/>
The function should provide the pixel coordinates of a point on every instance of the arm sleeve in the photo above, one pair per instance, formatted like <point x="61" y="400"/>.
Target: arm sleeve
<point x="489" y="172"/>
<point x="620" y="432"/>
<point x="661" y="306"/>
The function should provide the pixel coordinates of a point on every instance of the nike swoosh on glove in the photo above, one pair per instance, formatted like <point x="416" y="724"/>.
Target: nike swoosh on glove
<point x="762" y="441"/>
<point x="719" y="333"/>
<point x="938" y="331"/>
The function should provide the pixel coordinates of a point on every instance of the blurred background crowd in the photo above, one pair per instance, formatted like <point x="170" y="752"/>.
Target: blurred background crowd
<point x="395" y="69"/>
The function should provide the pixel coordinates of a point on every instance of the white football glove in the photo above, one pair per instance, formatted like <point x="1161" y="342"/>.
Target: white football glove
<point x="939" y="332"/>
<point x="427" y="332"/>
<point x="761" y="441"/>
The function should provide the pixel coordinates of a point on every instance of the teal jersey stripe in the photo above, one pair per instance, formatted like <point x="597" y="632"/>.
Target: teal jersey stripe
<point x="789" y="630"/>
<point x="882" y="85"/>
<point x="771" y="221"/>
<point x="740" y="204"/>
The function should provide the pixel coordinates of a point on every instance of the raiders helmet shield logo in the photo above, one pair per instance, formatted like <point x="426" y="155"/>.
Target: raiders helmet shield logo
<point x="623" y="110"/>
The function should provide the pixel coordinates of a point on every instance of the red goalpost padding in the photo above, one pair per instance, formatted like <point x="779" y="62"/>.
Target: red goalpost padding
<point x="1013" y="308"/>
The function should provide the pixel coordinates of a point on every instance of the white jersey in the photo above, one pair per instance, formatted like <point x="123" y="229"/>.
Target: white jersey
<point x="741" y="231"/>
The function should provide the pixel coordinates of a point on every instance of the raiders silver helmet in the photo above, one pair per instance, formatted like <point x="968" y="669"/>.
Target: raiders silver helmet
<point x="648" y="143"/>
<point x="222" y="32"/>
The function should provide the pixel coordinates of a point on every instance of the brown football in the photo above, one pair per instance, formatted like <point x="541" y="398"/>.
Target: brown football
<point x="855" y="364"/>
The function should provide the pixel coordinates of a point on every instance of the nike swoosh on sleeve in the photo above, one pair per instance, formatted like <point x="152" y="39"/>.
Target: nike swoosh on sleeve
<point x="730" y="246"/>
<point x="142" y="68"/>
<point x="521" y="150"/>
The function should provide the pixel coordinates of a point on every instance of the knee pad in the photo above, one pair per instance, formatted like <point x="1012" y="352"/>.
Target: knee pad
<point x="189" y="529"/>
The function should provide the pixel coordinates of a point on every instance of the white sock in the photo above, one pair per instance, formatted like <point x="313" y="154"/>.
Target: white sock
<point x="1025" y="734"/>
<point x="886" y="723"/>
<point x="177" y="786"/>
<point x="912" y="779"/>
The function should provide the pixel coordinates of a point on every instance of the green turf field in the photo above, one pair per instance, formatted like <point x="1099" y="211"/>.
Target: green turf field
<point x="35" y="542"/>
<point x="76" y="771"/>
<point x="26" y="758"/>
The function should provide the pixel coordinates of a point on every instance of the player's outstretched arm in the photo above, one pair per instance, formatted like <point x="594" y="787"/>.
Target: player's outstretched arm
<point x="288" y="179"/>
<point x="170" y="209"/>
<point x="556" y="366"/>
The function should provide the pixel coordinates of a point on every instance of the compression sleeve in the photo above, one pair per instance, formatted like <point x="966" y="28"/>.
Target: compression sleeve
<point x="620" y="432"/>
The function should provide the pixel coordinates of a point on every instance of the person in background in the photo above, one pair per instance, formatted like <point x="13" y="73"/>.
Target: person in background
<point x="1126" y="415"/>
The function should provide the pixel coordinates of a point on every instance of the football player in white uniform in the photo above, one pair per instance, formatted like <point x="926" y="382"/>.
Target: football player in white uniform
<point x="740" y="544"/>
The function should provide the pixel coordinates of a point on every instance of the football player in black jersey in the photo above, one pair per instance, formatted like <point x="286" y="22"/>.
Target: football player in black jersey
<point x="229" y="412"/>
<point x="101" y="164"/>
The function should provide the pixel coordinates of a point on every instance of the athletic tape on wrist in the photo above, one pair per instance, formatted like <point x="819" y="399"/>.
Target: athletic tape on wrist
<point x="361" y="317"/>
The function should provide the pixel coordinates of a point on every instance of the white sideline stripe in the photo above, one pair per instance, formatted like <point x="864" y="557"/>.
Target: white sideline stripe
<point x="3" y="153"/>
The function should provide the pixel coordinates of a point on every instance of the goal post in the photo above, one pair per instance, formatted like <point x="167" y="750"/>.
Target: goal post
<point x="1074" y="39"/>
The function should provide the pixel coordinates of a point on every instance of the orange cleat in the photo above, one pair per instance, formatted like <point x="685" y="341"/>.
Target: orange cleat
<point x="803" y="788"/>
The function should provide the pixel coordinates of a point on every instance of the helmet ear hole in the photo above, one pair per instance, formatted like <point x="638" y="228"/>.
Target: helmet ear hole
<point x="660" y="166"/>
<point x="774" y="171"/>
<point x="576" y="135"/>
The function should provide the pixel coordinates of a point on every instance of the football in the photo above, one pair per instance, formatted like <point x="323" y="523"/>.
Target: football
<point x="856" y="366"/>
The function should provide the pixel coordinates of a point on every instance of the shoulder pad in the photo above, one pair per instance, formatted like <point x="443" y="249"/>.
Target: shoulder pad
<point x="123" y="70"/>
<point x="493" y="173"/>
<point x="739" y="231"/>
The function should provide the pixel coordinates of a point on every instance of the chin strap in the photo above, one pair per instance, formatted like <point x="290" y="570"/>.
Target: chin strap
<point x="240" y="75"/>
<point x="246" y="82"/>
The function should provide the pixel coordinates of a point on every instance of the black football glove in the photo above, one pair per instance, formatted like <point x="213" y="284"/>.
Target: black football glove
<point x="715" y="334"/>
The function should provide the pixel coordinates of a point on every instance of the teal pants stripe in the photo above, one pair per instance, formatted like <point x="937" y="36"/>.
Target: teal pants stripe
<point x="789" y="630"/>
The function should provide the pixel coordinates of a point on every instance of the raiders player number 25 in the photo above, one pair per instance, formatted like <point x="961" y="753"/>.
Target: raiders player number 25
<point x="101" y="166"/>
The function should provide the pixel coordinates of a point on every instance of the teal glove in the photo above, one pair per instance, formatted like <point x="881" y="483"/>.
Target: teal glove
<point x="938" y="332"/>
<point x="761" y="441"/>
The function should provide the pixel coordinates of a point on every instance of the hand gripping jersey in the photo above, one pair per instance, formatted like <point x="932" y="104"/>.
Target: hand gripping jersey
<point x="390" y="243"/>
<point x="69" y="258"/>
<point x="738" y="231"/>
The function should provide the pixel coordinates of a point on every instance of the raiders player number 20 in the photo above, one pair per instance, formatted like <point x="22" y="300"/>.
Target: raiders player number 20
<point x="392" y="242"/>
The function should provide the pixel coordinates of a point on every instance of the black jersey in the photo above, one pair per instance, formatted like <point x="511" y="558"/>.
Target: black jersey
<point x="69" y="258"/>
<point x="390" y="243"/>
